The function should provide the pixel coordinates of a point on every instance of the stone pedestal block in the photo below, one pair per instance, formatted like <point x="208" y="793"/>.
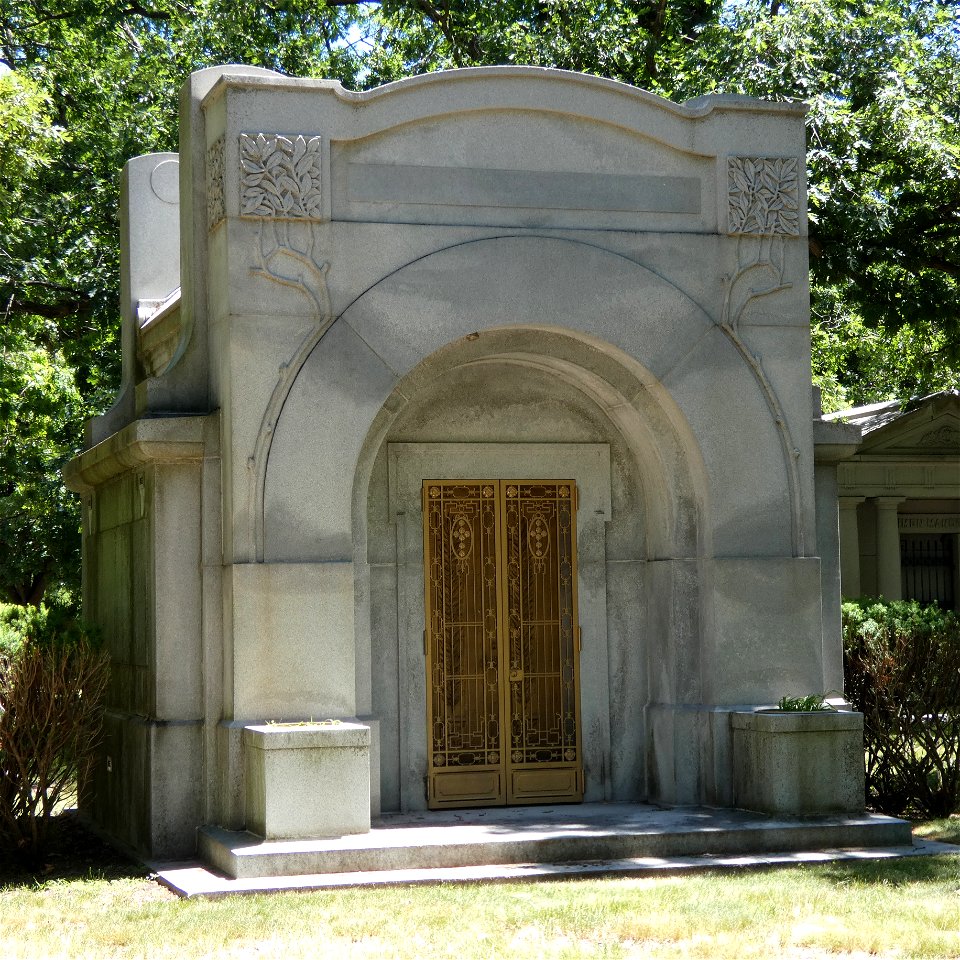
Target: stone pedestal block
<point x="798" y="763"/>
<point x="307" y="780"/>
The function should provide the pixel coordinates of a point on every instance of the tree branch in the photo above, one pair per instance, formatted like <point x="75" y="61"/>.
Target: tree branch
<point x="49" y="311"/>
<point x="139" y="11"/>
<point x="469" y="43"/>
<point x="939" y="263"/>
<point x="656" y="33"/>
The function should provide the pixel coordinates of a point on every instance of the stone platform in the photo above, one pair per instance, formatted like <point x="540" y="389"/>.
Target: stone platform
<point x="533" y="842"/>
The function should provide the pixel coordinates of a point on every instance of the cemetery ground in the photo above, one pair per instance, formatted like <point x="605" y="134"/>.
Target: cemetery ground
<point x="92" y="903"/>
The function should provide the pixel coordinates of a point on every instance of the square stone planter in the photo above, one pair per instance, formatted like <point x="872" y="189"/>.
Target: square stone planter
<point x="307" y="780"/>
<point x="798" y="763"/>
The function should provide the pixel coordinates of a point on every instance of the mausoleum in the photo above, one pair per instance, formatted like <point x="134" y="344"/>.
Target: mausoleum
<point x="900" y="501"/>
<point x="465" y="455"/>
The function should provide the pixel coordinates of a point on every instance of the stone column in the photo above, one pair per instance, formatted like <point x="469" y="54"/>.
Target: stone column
<point x="888" y="548"/>
<point x="849" y="547"/>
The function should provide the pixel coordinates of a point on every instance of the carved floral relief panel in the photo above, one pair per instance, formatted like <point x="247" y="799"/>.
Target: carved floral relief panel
<point x="943" y="437"/>
<point x="281" y="176"/>
<point x="764" y="196"/>
<point x="215" y="203"/>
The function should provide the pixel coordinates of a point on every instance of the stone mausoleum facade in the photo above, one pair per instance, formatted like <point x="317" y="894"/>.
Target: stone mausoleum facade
<point x="900" y="501"/>
<point x="465" y="453"/>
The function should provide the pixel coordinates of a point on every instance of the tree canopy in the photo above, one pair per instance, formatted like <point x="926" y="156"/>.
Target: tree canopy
<point x="87" y="84"/>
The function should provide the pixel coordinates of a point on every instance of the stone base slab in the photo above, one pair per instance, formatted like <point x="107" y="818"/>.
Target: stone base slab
<point x="588" y="832"/>
<point x="194" y="880"/>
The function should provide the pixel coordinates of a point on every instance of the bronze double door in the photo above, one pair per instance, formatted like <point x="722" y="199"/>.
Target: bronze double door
<point x="502" y="642"/>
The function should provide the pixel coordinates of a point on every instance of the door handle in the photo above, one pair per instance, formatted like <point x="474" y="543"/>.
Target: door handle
<point x="516" y="676"/>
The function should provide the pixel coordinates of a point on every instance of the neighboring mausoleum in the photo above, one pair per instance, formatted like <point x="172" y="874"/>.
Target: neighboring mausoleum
<point x="900" y="501"/>
<point x="465" y="456"/>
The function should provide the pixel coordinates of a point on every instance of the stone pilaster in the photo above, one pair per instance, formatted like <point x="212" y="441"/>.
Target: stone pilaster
<point x="888" y="548"/>
<point x="849" y="546"/>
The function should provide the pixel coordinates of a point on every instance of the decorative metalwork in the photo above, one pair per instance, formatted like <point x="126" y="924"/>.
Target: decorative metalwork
<point x="460" y="525"/>
<point x="538" y="541"/>
<point x="501" y="615"/>
<point x="926" y="568"/>
<point x="461" y="542"/>
<point x="540" y="606"/>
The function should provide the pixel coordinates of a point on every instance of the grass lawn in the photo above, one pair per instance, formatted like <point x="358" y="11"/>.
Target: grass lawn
<point x="903" y="908"/>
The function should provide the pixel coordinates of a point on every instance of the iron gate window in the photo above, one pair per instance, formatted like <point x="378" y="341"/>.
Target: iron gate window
<point x="927" y="568"/>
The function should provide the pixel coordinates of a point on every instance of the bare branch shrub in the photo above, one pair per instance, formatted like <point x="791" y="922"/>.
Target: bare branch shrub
<point x="902" y="670"/>
<point x="53" y="676"/>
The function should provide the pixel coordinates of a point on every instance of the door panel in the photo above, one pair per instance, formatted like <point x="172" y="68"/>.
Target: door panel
<point x="540" y="616"/>
<point x="501" y="642"/>
<point x="461" y="546"/>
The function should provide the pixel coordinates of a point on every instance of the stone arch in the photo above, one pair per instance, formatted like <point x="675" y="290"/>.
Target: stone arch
<point x="650" y="517"/>
<point x="502" y="281"/>
<point x="639" y="408"/>
<point x="594" y="324"/>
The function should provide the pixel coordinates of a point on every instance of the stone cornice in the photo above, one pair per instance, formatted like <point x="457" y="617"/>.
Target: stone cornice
<point x="166" y="439"/>
<point x="833" y="442"/>
<point x="923" y="477"/>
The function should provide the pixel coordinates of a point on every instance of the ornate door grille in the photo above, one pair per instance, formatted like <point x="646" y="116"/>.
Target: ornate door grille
<point x="502" y="642"/>
<point x="927" y="567"/>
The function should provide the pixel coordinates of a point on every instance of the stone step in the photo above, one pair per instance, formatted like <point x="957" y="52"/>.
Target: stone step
<point x="588" y="832"/>
<point x="196" y="880"/>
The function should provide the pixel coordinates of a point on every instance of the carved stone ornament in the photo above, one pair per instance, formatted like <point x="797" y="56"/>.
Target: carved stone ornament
<point x="281" y="176"/>
<point x="943" y="437"/>
<point x="764" y="196"/>
<point x="215" y="204"/>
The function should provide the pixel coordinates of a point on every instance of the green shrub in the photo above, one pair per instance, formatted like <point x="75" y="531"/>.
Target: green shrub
<point x="53" y="675"/>
<point x="902" y="670"/>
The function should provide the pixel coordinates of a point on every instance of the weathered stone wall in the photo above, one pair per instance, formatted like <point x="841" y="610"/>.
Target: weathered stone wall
<point x="143" y="549"/>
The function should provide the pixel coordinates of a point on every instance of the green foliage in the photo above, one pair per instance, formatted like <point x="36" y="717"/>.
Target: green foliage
<point x="883" y="155"/>
<point x="94" y="82"/>
<point x="53" y="674"/>
<point x="810" y="704"/>
<point x="902" y="670"/>
<point x="43" y="627"/>
<point x="856" y="364"/>
<point x="622" y="39"/>
<point x="41" y="410"/>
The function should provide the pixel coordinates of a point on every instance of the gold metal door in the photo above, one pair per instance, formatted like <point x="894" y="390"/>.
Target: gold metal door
<point x="502" y="642"/>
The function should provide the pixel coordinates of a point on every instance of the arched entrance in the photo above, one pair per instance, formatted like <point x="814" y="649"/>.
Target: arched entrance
<point x="522" y="382"/>
<point x="512" y="414"/>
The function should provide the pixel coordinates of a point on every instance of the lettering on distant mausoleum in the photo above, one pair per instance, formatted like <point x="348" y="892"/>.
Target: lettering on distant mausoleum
<point x="928" y="523"/>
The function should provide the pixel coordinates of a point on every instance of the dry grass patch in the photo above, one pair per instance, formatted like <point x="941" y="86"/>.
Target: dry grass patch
<point x="946" y="829"/>
<point x="900" y="909"/>
<point x="109" y="910"/>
